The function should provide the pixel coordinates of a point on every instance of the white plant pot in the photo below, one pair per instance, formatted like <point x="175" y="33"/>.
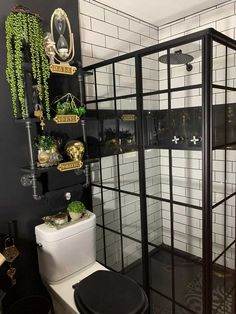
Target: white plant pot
<point x="75" y="216"/>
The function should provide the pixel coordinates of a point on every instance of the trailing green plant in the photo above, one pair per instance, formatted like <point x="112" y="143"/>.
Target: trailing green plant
<point x="24" y="30"/>
<point x="45" y="142"/>
<point x="76" y="207"/>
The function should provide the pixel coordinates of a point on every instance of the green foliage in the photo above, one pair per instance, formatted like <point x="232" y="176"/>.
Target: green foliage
<point x="45" y="142"/>
<point x="76" y="207"/>
<point x="24" y="29"/>
<point x="67" y="107"/>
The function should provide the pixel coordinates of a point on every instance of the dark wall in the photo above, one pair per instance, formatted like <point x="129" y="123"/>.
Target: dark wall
<point x="16" y="202"/>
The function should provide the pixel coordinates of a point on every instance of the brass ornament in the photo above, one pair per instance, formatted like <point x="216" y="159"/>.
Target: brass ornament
<point x="42" y="123"/>
<point x="68" y="118"/>
<point x="10" y="252"/>
<point x="75" y="151"/>
<point x="48" y="158"/>
<point x="11" y="272"/>
<point x="38" y="111"/>
<point x="63" y="69"/>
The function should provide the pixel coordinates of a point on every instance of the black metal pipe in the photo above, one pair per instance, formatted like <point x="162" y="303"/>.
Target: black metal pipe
<point x="207" y="172"/>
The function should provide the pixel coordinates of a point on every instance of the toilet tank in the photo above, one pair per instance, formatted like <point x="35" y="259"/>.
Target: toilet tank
<point x="64" y="251"/>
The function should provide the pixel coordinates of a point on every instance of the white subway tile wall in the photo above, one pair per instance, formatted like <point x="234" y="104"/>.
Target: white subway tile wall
<point x="107" y="33"/>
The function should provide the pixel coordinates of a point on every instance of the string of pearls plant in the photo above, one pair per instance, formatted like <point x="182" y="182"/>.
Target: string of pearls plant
<point x="24" y="30"/>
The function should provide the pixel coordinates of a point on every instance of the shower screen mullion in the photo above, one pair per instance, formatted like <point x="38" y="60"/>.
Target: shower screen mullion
<point x="118" y="165"/>
<point x="225" y="167"/>
<point x="171" y="187"/>
<point x="142" y="174"/>
<point x="207" y="171"/>
<point x="100" y="167"/>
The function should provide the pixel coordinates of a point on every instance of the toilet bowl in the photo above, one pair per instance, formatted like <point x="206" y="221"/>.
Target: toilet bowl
<point x="67" y="257"/>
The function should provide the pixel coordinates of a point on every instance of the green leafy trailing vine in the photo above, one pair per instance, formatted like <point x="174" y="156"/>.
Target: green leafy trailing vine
<point x="23" y="29"/>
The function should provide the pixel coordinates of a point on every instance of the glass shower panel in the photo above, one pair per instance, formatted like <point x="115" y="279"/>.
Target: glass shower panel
<point x="186" y="143"/>
<point x="231" y="68"/>
<point x="132" y="254"/>
<point x="187" y="176"/>
<point x="111" y="210"/>
<point x="109" y="171"/>
<point x="130" y="212"/>
<point x="153" y="172"/>
<point x="218" y="121"/>
<point x="160" y="274"/>
<point x="230" y="114"/>
<point x="129" y="172"/>
<point x="219" y="238"/>
<point x="160" y="304"/>
<point x="230" y="170"/>
<point x="219" y="64"/>
<point x="113" y="250"/>
<point x="187" y="262"/>
<point x="151" y="73"/>
<point x="125" y="80"/>
<point x="100" y="256"/>
<point x="104" y="80"/>
<point x="154" y="218"/>
<point x="89" y="81"/>
<point x="218" y="175"/>
<point x="185" y="65"/>
<point x="97" y="194"/>
<point x="224" y="257"/>
<point x="127" y="124"/>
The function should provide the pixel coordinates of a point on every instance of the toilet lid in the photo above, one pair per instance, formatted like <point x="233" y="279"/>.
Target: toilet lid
<point x="106" y="292"/>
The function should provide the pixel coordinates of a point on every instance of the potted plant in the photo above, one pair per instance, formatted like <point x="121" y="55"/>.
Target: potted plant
<point x="76" y="210"/>
<point x="47" y="150"/>
<point x="24" y="42"/>
<point x="66" y="105"/>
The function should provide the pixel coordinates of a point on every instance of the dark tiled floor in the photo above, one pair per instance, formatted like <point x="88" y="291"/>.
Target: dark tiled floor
<point x="188" y="284"/>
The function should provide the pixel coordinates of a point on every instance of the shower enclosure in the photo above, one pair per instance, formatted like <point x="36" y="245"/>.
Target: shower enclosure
<point x="164" y="188"/>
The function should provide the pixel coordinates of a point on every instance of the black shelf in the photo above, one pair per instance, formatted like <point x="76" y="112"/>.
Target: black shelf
<point x="39" y="170"/>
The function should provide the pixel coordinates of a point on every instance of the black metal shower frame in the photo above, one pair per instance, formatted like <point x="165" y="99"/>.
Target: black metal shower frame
<point x="206" y="37"/>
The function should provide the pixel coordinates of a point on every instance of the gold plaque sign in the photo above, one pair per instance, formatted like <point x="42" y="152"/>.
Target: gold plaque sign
<point x="128" y="117"/>
<point x="70" y="165"/>
<point x="69" y="118"/>
<point x="62" y="69"/>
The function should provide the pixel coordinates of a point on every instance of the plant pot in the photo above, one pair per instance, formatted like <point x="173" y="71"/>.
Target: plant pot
<point x="75" y="216"/>
<point x="43" y="156"/>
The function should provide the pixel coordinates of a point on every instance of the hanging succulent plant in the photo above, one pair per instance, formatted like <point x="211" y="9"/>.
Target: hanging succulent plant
<point x="24" y="38"/>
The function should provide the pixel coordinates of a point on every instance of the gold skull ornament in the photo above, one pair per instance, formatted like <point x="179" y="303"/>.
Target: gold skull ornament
<point x="75" y="150"/>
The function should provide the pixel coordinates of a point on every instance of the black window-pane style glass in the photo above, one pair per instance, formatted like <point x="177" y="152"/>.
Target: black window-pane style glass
<point x="166" y="201"/>
<point x="133" y="259"/>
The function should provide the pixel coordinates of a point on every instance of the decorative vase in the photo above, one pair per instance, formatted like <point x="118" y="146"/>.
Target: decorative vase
<point x="49" y="157"/>
<point x="43" y="156"/>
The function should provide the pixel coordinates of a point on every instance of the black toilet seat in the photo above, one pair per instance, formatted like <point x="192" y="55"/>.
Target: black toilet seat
<point x="106" y="292"/>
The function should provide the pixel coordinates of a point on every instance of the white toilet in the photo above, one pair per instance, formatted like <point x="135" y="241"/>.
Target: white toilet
<point x="66" y="256"/>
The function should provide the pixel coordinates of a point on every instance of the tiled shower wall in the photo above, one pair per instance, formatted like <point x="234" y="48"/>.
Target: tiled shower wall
<point x="107" y="33"/>
<point x="187" y="165"/>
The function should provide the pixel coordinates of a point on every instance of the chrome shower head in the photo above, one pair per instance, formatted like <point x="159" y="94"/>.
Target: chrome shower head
<point x="178" y="58"/>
